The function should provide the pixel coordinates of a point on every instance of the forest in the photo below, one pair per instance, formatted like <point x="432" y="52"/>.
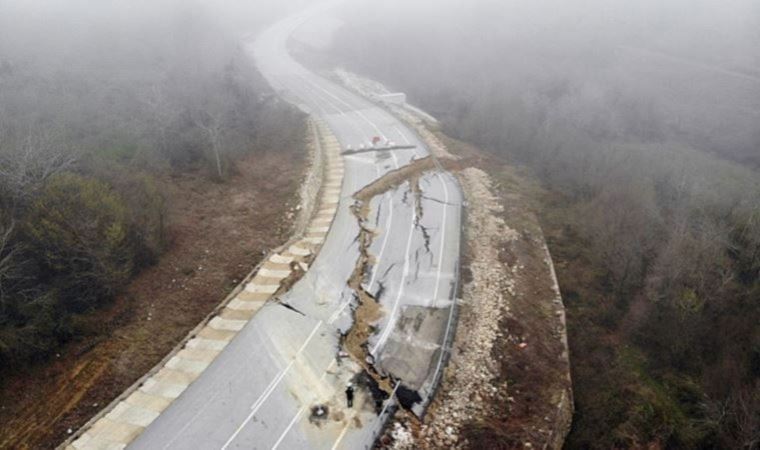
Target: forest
<point x="641" y="122"/>
<point x="97" y="101"/>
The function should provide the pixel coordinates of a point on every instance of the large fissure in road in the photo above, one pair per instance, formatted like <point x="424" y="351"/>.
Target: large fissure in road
<point x="368" y="309"/>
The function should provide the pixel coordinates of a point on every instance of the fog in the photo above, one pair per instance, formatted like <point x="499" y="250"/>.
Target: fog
<point x="639" y="119"/>
<point x="96" y="72"/>
<point x="101" y="105"/>
<point x="693" y="65"/>
<point x="687" y="64"/>
<point x="107" y="35"/>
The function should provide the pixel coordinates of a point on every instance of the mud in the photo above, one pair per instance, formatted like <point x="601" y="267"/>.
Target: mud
<point x="393" y="179"/>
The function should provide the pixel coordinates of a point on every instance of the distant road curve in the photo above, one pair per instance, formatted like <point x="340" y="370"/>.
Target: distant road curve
<point x="262" y="389"/>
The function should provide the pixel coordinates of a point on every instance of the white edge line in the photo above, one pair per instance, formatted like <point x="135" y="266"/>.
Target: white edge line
<point x="265" y="395"/>
<point x="290" y="425"/>
<point x="392" y="320"/>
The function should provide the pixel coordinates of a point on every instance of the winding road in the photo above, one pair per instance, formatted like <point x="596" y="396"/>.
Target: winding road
<point x="261" y="391"/>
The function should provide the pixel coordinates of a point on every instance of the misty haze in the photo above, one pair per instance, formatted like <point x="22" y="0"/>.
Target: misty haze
<point x="487" y="224"/>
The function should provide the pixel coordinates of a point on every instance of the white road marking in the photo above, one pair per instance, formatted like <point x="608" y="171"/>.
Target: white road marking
<point x="390" y="399"/>
<point x="272" y="385"/>
<point x="389" y="327"/>
<point x="378" y="260"/>
<point x="314" y="94"/>
<point x="392" y="320"/>
<point x="386" y="332"/>
<point x="443" y="236"/>
<point x="341" y="436"/>
<point x="290" y="425"/>
<point x="402" y="134"/>
<point x="351" y="108"/>
<point x="387" y="233"/>
<point x="388" y="224"/>
<point x="337" y="313"/>
<point x="300" y="412"/>
<point x="192" y="420"/>
<point x="453" y="303"/>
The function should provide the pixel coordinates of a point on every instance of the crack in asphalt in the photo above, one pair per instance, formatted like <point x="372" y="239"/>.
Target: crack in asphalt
<point x="377" y="216"/>
<point x="380" y="290"/>
<point x="387" y="271"/>
<point x="290" y="307"/>
<point x="425" y="236"/>
<point x="355" y="341"/>
<point x="439" y="201"/>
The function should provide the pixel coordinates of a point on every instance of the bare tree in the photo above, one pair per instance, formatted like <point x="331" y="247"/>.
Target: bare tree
<point x="6" y="256"/>
<point x="34" y="159"/>
<point x="163" y="113"/>
<point x="746" y="412"/>
<point x="213" y="127"/>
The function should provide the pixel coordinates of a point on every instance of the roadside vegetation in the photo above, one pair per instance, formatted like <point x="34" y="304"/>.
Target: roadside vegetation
<point x="652" y="206"/>
<point x="97" y="111"/>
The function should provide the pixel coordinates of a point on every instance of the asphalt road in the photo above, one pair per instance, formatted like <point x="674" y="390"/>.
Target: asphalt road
<point x="260" y="391"/>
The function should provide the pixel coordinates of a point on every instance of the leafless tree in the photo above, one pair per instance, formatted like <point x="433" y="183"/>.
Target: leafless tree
<point x="162" y="114"/>
<point x="213" y="127"/>
<point x="37" y="156"/>
<point x="746" y="412"/>
<point x="618" y="223"/>
<point x="7" y="255"/>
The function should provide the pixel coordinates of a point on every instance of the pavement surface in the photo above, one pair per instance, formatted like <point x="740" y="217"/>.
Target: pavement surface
<point x="263" y="389"/>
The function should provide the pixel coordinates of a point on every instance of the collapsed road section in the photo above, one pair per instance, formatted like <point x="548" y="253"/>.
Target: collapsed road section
<point x="368" y="311"/>
<point x="405" y="357"/>
<point x="323" y="363"/>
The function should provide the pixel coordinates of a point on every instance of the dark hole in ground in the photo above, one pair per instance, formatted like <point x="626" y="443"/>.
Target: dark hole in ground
<point x="319" y="413"/>
<point x="407" y="397"/>
<point x="378" y="394"/>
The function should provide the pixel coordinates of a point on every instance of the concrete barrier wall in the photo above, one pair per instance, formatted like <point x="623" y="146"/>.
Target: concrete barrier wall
<point x="309" y="192"/>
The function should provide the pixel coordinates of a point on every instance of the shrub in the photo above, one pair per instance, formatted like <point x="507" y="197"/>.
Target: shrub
<point x="78" y="234"/>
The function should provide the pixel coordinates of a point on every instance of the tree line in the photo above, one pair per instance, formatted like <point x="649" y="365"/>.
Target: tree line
<point x="652" y="167"/>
